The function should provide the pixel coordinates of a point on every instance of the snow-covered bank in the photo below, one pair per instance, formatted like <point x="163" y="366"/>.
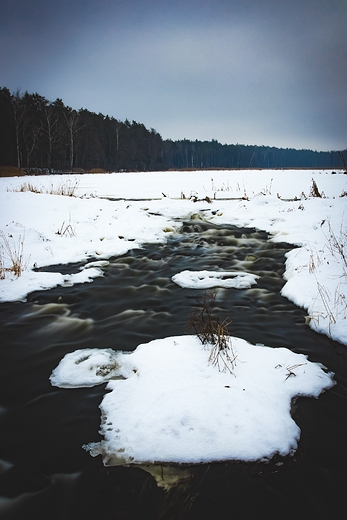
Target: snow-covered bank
<point x="45" y="229"/>
<point x="288" y="184"/>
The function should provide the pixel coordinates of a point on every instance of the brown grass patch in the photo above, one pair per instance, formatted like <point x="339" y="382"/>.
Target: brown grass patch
<point x="11" y="171"/>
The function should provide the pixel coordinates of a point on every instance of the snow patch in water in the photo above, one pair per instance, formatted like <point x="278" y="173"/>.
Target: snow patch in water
<point x="209" y="279"/>
<point x="173" y="406"/>
<point x="89" y="367"/>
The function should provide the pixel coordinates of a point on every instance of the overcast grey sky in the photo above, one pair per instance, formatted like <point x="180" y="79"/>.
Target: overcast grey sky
<point x="269" y="72"/>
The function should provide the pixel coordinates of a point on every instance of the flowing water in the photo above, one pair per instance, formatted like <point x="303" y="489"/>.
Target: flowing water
<point x="45" y="473"/>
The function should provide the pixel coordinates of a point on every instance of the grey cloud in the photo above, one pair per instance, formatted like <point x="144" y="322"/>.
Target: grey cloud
<point x="269" y="72"/>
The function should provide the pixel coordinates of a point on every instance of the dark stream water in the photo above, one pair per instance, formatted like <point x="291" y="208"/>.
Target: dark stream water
<point x="45" y="473"/>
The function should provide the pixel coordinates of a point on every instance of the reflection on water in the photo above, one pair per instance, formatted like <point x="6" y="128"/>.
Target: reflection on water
<point x="45" y="473"/>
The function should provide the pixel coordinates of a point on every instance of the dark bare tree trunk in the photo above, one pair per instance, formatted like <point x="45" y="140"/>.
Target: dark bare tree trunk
<point x="71" y="120"/>
<point x="51" y="129"/>
<point x="18" y="111"/>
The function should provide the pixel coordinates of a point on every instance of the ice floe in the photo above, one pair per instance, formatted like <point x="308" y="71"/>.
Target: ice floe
<point x="209" y="279"/>
<point x="166" y="403"/>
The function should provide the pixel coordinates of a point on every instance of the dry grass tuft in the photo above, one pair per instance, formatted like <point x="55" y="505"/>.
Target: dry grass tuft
<point x="67" y="189"/>
<point x="11" y="256"/>
<point x="314" y="192"/>
<point x="334" y="301"/>
<point x="213" y="333"/>
<point x="66" y="229"/>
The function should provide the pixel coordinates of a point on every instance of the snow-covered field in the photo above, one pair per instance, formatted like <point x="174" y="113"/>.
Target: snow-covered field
<point x="170" y="385"/>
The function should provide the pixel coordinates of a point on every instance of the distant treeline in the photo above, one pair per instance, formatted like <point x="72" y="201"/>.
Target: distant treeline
<point x="42" y="136"/>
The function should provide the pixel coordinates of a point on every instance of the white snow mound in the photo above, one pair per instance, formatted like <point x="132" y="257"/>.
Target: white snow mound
<point x="88" y="367"/>
<point x="209" y="279"/>
<point x="175" y="406"/>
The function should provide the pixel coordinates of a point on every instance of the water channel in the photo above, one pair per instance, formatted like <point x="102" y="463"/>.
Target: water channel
<point x="45" y="473"/>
